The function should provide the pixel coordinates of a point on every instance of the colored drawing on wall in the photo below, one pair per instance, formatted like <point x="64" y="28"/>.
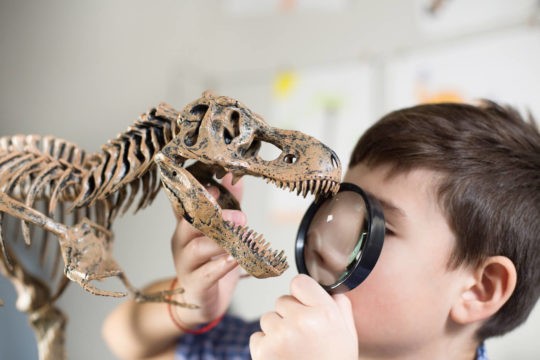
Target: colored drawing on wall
<point x="284" y="84"/>
<point x="426" y="92"/>
<point x="501" y="67"/>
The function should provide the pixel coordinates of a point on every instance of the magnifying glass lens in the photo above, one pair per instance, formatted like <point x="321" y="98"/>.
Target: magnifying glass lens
<point x="335" y="237"/>
<point x="340" y="239"/>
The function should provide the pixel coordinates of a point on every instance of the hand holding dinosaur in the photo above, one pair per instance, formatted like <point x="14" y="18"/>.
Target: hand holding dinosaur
<point x="204" y="270"/>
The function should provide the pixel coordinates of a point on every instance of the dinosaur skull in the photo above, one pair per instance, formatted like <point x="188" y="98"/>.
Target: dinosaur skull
<point x="219" y="130"/>
<point x="226" y="136"/>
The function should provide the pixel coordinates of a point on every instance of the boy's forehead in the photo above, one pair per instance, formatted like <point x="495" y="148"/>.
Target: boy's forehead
<point x="391" y="173"/>
<point x="393" y="187"/>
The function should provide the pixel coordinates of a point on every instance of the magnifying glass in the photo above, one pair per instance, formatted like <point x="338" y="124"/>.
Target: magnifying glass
<point x="340" y="239"/>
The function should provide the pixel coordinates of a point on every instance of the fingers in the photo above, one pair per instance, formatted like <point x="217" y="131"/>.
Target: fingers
<point x="192" y="250"/>
<point x="236" y="190"/>
<point x="259" y="343"/>
<point x="195" y="253"/>
<point x="269" y="320"/>
<point x="185" y="232"/>
<point x="345" y="306"/>
<point x="256" y="348"/>
<point x="213" y="270"/>
<point x="286" y="305"/>
<point x="307" y="291"/>
<point x="236" y="216"/>
<point x="308" y="324"/>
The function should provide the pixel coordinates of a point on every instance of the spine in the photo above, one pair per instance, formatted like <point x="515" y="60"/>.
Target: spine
<point x="128" y="161"/>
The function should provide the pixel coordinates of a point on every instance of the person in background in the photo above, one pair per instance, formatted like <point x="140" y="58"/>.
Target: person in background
<point x="460" y="189"/>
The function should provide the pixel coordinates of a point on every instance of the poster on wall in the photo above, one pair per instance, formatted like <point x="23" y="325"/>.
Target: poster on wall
<point x="501" y="66"/>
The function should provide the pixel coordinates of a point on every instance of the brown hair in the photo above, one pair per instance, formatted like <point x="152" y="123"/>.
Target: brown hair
<point x="489" y="157"/>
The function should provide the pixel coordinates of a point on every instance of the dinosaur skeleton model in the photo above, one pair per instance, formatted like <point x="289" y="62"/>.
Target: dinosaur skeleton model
<point x="48" y="185"/>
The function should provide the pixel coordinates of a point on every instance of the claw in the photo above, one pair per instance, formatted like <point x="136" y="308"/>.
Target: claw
<point x="86" y="250"/>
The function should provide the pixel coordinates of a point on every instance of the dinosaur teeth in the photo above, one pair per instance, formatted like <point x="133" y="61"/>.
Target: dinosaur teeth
<point x="258" y="245"/>
<point x="220" y="172"/>
<point x="235" y="178"/>
<point x="324" y="183"/>
<point x="328" y="186"/>
<point x="312" y="184"/>
<point x="247" y="236"/>
<point x="305" y="187"/>
<point x="279" y="258"/>
<point x="317" y="186"/>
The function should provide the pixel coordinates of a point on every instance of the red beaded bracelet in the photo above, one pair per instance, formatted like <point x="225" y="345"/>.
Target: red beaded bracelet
<point x="182" y="327"/>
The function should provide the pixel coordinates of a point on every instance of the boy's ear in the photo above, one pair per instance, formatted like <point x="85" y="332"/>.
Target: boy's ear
<point x="491" y="284"/>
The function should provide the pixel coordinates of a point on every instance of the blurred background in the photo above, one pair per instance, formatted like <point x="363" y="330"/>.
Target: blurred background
<point x="85" y="70"/>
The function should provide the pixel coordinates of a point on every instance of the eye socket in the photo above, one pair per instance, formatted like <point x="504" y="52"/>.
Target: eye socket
<point x="235" y="122"/>
<point x="199" y="110"/>
<point x="289" y="159"/>
<point x="174" y="173"/>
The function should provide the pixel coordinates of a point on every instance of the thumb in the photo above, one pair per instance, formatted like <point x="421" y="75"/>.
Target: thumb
<point x="236" y="190"/>
<point x="308" y="292"/>
<point x="235" y="216"/>
<point x="344" y="305"/>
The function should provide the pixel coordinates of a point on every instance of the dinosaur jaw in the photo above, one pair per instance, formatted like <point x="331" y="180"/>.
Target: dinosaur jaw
<point x="251" y="251"/>
<point x="318" y="186"/>
<point x="191" y="200"/>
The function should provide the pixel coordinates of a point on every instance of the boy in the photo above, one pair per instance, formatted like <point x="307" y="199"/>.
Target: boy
<point x="460" y="188"/>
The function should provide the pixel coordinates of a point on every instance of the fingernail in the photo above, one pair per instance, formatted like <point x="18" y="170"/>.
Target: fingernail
<point x="237" y="217"/>
<point x="214" y="191"/>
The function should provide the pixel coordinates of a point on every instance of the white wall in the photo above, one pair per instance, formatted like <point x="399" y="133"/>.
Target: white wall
<point x="84" y="71"/>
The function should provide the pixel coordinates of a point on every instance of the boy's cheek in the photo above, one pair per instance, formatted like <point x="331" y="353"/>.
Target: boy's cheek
<point x="399" y="293"/>
<point x="392" y="283"/>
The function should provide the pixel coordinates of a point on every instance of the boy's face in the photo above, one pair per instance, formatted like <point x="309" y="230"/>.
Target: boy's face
<point x="405" y="301"/>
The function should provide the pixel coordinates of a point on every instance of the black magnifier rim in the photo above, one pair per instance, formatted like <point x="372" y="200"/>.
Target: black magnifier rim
<point x="371" y="250"/>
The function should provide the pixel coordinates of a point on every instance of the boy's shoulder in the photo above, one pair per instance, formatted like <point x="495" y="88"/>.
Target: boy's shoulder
<point x="481" y="353"/>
